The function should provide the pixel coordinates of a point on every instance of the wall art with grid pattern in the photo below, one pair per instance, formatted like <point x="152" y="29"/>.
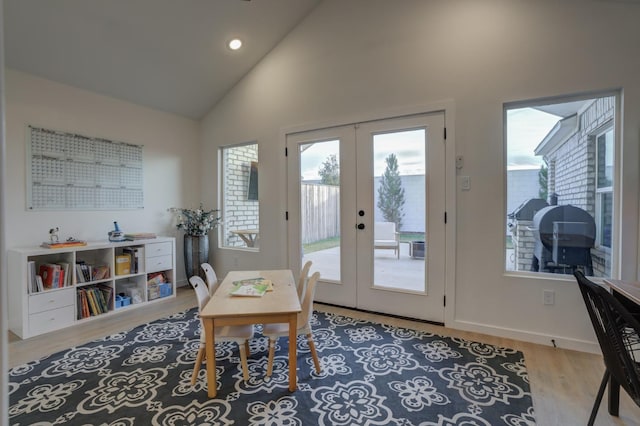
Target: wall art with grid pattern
<point x="67" y="171"/>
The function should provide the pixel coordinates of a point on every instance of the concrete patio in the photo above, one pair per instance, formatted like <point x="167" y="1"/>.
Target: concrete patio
<point x="405" y="273"/>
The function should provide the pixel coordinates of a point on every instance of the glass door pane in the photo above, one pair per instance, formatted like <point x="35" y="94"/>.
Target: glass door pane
<point x="320" y="206"/>
<point x="399" y="245"/>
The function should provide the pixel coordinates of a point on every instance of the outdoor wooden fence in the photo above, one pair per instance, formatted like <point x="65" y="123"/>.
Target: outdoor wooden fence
<point x="320" y="208"/>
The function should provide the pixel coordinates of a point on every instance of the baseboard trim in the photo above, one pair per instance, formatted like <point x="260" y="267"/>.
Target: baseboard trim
<point x="528" y="336"/>
<point x="381" y="313"/>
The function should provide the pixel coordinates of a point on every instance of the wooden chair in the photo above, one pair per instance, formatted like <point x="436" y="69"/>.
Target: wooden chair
<point x="273" y="331"/>
<point x="386" y="237"/>
<point x="237" y="333"/>
<point x="618" y="333"/>
<point x="303" y="279"/>
<point x="212" y="278"/>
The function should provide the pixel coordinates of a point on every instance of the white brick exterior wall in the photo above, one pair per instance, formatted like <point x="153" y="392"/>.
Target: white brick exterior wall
<point x="238" y="212"/>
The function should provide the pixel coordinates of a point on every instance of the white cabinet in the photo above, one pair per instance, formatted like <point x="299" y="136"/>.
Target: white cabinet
<point x="91" y="288"/>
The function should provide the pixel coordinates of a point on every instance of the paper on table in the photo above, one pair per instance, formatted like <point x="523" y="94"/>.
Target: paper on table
<point x="251" y="287"/>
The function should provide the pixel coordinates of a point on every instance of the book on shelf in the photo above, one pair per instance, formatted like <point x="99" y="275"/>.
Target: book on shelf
<point x="100" y="272"/>
<point x="84" y="272"/>
<point x="139" y="236"/>
<point x="251" y="287"/>
<point x="65" y="278"/>
<point x="135" y="256"/>
<point x="39" y="283"/>
<point x="51" y="274"/>
<point x="92" y="303"/>
<point x="31" y="277"/>
<point x="123" y="264"/>
<point x="107" y="292"/>
<point x="79" y="273"/>
<point x="63" y="244"/>
<point x="157" y="278"/>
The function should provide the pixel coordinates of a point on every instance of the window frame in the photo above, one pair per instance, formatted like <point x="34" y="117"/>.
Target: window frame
<point x="600" y="192"/>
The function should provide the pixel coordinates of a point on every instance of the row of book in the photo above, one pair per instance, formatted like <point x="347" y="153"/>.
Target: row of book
<point x="94" y="300"/>
<point x="86" y="272"/>
<point x="47" y="276"/>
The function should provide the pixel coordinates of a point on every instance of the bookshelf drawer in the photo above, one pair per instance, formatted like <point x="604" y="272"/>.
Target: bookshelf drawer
<point x="158" y="249"/>
<point x="51" y="320"/>
<point x="49" y="300"/>
<point x="159" y="263"/>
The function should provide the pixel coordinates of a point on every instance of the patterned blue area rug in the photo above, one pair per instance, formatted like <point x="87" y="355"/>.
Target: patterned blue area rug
<point x="372" y="374"/>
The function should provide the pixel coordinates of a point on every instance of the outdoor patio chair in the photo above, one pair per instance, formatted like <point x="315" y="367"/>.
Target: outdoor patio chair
<point x="386" y="237"/>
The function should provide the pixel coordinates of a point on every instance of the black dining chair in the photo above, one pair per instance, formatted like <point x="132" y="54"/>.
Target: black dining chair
<point x="618" y="333"/>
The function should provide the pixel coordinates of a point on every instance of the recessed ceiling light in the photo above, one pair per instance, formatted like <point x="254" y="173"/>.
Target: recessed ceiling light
<point x="235" y="44"/>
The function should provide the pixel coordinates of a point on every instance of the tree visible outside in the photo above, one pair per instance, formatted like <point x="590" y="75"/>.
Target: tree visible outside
<point x="390" y="193"/>
<point x="330" y="171"/>
<point x="542" y="181"/>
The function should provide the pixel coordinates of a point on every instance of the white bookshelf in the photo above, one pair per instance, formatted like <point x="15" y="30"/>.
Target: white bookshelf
<point x="36" y="312"/>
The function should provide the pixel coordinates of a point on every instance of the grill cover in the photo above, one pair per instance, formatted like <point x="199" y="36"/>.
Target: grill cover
<point x="564" y="235"/>
<point x="576" y="227"/>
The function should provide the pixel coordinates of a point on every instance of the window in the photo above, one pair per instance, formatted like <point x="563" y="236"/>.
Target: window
<point x="604" y="187"/>
<point x="240" y="206"/>
<point x="560" y="166"/>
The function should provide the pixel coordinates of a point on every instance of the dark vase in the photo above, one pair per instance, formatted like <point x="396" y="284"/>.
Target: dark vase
<point x="196" y="252"/>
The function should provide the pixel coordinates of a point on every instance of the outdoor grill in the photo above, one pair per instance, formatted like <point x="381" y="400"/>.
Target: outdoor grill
<point x="564" y="236"/>
<point x="528" y="209"/>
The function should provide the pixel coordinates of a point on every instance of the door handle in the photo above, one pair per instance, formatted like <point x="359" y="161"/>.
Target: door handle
<point x="360" y="226"/>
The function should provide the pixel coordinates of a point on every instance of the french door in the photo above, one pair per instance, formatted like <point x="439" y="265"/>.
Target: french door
<point x="366" y="206"/>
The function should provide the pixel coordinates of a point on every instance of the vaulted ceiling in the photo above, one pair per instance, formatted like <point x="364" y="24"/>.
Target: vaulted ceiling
<point x="168" y="55"/>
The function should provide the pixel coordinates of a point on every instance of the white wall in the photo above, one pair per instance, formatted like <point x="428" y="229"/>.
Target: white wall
<point x="366" y="56"/>
<point x="4" y="320"/>
<point x="170" y="158"/>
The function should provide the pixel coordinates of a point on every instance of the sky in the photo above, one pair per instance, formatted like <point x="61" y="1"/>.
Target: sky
<point x="408" y="147"/>
<point x="526" y="127"/>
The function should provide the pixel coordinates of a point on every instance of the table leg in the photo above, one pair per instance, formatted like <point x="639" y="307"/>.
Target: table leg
<point x="614" y="396"/>
<point x="210" y="347"/>
<point x="293" y="358"/>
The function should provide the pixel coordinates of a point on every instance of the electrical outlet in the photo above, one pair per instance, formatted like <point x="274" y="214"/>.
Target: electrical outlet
<point x="548" y="297"/>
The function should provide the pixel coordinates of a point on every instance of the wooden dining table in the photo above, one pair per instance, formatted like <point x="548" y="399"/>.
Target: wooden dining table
<point x="628" y="293"/>
<point x="281" y="305"/>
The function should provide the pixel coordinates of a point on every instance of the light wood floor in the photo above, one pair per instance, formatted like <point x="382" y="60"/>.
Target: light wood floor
<point x="563" y="382"/>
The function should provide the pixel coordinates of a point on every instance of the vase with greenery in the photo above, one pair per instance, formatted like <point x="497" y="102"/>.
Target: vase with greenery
<point x="196" y="224"/>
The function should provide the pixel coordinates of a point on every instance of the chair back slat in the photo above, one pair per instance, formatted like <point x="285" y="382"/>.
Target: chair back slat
<point x="307" y="303"/>
<point x="202" y="292"/>
<point x="212" y="278"/>
<point x="618" y="334"/>
<point x="302" y="279"/>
